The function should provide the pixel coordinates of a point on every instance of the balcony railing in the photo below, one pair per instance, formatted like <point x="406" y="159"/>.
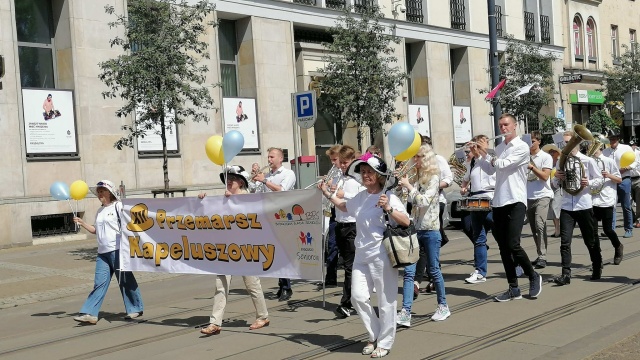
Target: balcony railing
<point x="336" y="4"/>
<point x="529" y="26"/>
<point x="306" y="2"/>
<point x="545" y="34"/>
<point x="458" y="20"/>
<point x="414" y="11"/>
<point x="359" y="5"/>
<point x="499" y="20"/>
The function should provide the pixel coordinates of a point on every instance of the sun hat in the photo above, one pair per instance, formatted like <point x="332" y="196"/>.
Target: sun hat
<point x="238" y="171"/>
<point x="613" y="133"/>
<point x="107" y="185"/>
<point x="550" y="147"/>
<point x="375" y="162"/>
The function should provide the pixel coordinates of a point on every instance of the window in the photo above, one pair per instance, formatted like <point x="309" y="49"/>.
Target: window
<point x="591" y="38"/>
<point x="545" y="33"/>
<point x="34" y="27"/>
<point x="615" y="46"/>
<point x="632" y="38"/>
<point x="577" y="37"/>
<point x="457" y="10"/>
<point x="414" y="11"/>
<point x="228" y="57"/>
<point x="529" y="26"/>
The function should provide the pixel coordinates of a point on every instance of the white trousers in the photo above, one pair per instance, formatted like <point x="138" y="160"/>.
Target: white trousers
<point x="252" y="283"/>
<point x="378" y="273"/>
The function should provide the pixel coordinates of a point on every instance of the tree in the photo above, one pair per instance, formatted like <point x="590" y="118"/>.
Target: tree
<point x="159" y="76"/>
<point x="361" y="82"/>
<point x="525" y="63"/>
<point x="599" y="122"/>
<point x="624" y="75"/>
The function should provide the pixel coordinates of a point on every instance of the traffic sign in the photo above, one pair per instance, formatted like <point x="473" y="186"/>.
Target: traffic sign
<point x="305" y="110"/>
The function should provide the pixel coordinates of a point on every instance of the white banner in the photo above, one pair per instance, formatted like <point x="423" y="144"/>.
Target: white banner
<point x="152" y="140"/>
<point x="275" y="234"/>
<point x="49" y="121"/>
<point x="241" y="114"/>
<point x="419" y="119"/>
<point x="462" y="124"/>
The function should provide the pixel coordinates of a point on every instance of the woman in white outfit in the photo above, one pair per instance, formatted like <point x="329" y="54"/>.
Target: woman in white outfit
<point x="237" y="183"/>
<point x="372" y="267"/>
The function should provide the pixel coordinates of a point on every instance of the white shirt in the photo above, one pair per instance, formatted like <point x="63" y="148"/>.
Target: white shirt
<point x="583" y="200"/>
<point x="108" y="227"/>
<point x="510" y="167"/>
<point x="616" y="154"/>
<point x="635" y="172"/>
<point x="445" y="175"/>
<point x="283" y="177"/>
<point x="480" y="180"/>
<point x="539" y="189"/>
<point x="370" y="220"/>
<point x="351" y="188"/>
<point x="609" y="194"/>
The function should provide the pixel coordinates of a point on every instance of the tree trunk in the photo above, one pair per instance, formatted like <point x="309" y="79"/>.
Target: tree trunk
<point x="359" y="135"/>
<point x="165" y="157"/>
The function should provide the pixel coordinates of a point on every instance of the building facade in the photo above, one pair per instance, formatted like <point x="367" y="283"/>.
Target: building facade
<point x="261" y="52"/>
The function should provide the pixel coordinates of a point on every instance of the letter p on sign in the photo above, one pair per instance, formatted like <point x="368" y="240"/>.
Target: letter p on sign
<point x="304" y="106"/>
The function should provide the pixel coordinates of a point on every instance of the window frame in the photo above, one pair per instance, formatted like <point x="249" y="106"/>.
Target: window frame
<point x="578" y="38"/>
<point x="233" y="62"/>
<point x="615" y="42"/>
<point x="592" y="40"/>
<point x="50" y="46"/>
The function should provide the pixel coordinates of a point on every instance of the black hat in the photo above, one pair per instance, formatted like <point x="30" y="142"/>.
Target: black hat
<point x="613" y="133"/>
<point x="236" y="170"/>
<point x="375" y="162"/>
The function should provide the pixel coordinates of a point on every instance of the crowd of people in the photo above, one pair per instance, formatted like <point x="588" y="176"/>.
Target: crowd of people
<point x="519" y="180"/>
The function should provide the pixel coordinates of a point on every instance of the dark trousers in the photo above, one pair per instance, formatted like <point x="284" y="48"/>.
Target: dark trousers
<point x="605" y="216"/>
<point x="345" y="237"/>
<point x="443" y="207"/>
<point x="284" y="284"/>
<point x="507" y="234"/>
<point x="331" y="256"/>
<point x="586" y="222"/>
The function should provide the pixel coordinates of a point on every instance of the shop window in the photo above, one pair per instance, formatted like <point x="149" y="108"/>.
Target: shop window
<point x="34" y="28"/>
<point x="228" y="46"/>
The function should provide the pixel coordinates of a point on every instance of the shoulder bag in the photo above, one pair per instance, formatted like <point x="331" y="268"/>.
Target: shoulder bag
<point x="401" y="244"/>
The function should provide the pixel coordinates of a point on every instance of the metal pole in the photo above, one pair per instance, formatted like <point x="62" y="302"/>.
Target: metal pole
<point x="296" y="137"/>
<point x="493" y="65"/>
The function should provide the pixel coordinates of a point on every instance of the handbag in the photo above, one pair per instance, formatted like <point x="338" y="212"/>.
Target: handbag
<point x="401" y="244"/>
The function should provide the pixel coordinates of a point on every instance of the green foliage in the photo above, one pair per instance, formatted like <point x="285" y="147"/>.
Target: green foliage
<point x="550" y="125"/>
<point x="159" y="71"/>
<point x="624" y="75"/>
<point x="600" y="121"/>
<point x="361" y="81"/>
<point x="526" y="63"/>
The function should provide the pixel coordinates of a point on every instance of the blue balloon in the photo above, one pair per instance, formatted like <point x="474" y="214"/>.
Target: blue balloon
<point x="232" y="144"/>
<point x="401" y="136"/>
<point x="59" y="190"/>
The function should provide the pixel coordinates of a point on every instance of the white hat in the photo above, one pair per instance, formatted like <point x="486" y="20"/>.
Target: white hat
<point x="238" y="171"/>
<point x="375" y="162"/>
<point x="107" y="185"/>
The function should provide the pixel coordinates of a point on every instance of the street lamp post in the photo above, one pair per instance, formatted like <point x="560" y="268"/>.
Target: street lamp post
<point x="493" y="66"/>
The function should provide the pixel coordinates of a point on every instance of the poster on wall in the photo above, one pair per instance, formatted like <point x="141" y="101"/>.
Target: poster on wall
<point x="419" y="119"/>
<point x="241" y="114"/>
<point x="152" y="141"/>
<point x="49" y="122"/>
<point x="462" y="124"/>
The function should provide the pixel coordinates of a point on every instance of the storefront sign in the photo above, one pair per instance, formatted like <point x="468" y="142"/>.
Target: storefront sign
<point x="568" y="79"/>
<point x="586" y="97"/>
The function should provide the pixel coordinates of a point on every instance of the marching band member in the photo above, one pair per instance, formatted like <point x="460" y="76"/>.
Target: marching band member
<point x="237" y="183"/>
<point x="579" y="208"/>
<point x="423" y="193"/>
<point x="510" y="197"/>
<point x="635" y="182"/>
<point x="371" y="266"/>
<point x="556" y="202"/>
<point x="624" y="188"/>
<point x="279" y="178"/>
<point x="604" y="201"/>
<point x="482" y="185"/>
<point x="331" y="258"/>
<point x="346" y="188"/>
<point x="539" y="196"/>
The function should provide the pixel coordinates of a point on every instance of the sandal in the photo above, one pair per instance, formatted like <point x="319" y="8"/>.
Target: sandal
<point x="368" y="350"/>
<point x="380" y="352"/>
<point x="258" y="324"/>
<point x="212" y="329"/>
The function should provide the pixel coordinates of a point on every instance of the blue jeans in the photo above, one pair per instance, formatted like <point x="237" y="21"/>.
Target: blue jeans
<point x="624" y="197"/>
<point x="430" y="240"/>
<point x="407" y="286"/>
<point x="479" y="238"/>
<point x="106" y="265"/>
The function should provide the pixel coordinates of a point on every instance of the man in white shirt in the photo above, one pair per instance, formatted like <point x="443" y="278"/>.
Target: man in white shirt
<point x="539" y="195"/>
<point x="279" y="178"/>
<point x="509" y="205"/>
<point x="605" y="199"/>
<point x="635" y="182"/>
<point x="477" y="183"/>
<point x="346" y="188"/>
<point x="624" y="188"/>
<point x="579" y="208"/>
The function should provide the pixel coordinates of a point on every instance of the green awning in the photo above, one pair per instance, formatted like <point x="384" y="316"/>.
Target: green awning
<point x="586" y="97"/>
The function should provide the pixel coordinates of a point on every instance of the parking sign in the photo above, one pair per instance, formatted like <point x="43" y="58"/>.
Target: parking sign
<point x="305" y="111"/>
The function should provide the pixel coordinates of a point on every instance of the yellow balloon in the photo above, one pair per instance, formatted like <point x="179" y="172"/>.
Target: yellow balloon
<point x="412" y="149"/>
<point x="553" y="173"/>
<point x="213" y="147"/>
<point x="627" y="158"/>
<point x="78" y="190"/>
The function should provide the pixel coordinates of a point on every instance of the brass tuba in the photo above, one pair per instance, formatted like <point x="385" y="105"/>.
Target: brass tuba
<point x="458" y="168"/>
<point x="595" y="145"/>
<point x="572" y="166"/>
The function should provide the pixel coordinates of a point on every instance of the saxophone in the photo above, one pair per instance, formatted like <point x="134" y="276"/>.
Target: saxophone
<point x="332" y="176"/>
<point x="595" y="146"/>
<point x="571" y="165"/>
<point x="458" y="168"/>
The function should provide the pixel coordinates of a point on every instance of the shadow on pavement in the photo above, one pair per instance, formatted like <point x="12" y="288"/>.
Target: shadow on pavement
<point x="87" y="254"/>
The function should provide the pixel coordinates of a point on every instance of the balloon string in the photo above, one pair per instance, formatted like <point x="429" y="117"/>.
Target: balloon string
<point x="225" y="175"/>
<point x="72" y="211"/>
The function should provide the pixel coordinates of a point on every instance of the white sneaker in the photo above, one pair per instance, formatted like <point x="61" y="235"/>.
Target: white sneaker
<point x="475" y="278"/>
<point x="442" y="313"/>
<point x="404" y="318"/>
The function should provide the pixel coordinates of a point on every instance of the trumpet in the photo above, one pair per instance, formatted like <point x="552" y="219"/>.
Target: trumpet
<point x="333" y="174"/>
<point x="263" y="170"/>
<point x="407" y="168"/>
<point x="474" y="143"/>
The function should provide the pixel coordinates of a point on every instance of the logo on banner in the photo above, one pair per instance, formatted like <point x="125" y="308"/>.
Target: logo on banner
<point x="297" y="216"/>
<point x="306" y="253"/>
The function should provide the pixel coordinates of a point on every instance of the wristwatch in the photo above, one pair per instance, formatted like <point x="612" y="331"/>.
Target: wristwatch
<point x="389" y="212"/>
<point x="265" y="181"/>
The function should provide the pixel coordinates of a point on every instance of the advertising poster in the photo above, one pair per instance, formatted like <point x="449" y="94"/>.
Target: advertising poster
<point x="49" y="121"/>
<point x="419" y="119"/>
<point x="241" y="114"/>
<point x="152" y="141"/>
<point x="462" y="124"/>
<point x="275" y="234"/>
